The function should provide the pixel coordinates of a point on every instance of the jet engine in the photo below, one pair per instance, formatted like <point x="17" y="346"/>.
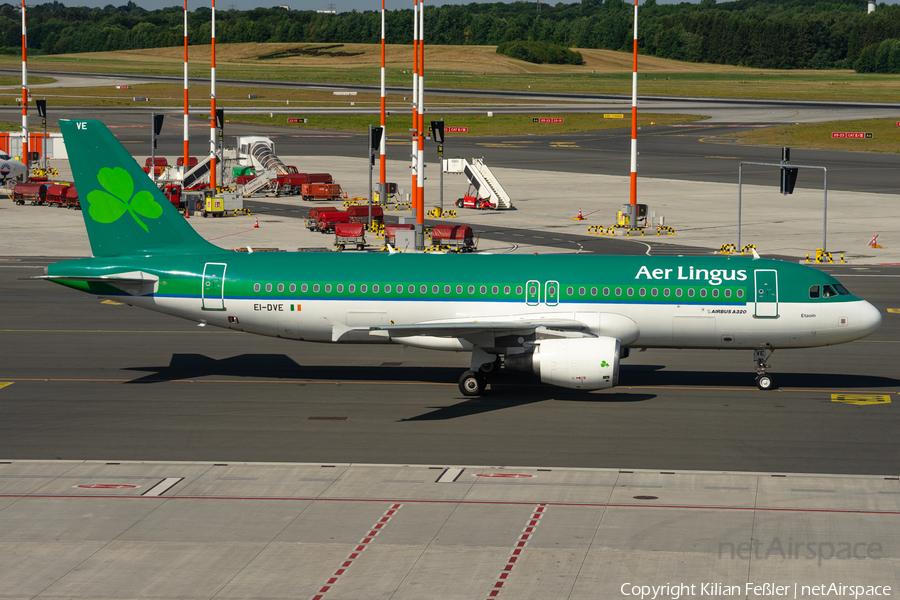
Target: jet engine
<point x="579" y="363"/>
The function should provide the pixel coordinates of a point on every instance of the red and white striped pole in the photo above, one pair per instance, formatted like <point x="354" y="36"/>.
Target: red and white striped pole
<point x="186" y="124"/>
<point x="633" y="202"/>
<point x="415" y="113"/>
<point x="420" y="160"/>
<point x="24" y="95"/>
<point x="383" y="128"/>
<point x="212" y="99"/>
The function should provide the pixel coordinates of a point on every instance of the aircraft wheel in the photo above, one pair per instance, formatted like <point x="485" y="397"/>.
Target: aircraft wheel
<point x="764" y="382"/>
<point x="491" y="368"/>
<point x="471" y="384"/>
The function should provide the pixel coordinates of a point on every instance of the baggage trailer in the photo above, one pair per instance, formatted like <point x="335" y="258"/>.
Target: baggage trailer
<point x="223" y="205"/>
<point x="456" y="237"/>
<point x="360" y="214"/>
<point x="390" y="232"/>
<point x="36" y="193"/>
<point x="328" y="220"/>
<point x="321" y="191"/>
<point x="159" y="164"/>
<point x="348" y="234"/>
<point x="56" y="195"/>
<point x="312" y="220"/>
<point x="72" y="200"/>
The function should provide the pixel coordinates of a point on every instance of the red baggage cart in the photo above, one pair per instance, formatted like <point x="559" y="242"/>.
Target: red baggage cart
<point x="349" y="234"/>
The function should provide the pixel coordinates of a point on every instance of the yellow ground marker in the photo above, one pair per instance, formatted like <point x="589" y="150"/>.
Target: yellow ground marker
<point x="3" y="384"/>
<point x="893" y="310"/>
<point x="861" y="398"/>
<point x="113" y="302"/>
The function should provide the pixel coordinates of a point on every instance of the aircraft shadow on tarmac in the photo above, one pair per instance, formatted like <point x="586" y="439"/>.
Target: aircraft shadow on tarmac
<point x="656" y="375"/>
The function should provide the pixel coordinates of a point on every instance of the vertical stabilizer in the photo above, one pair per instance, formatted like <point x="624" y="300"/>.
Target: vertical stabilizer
<point x="124" y="212"/>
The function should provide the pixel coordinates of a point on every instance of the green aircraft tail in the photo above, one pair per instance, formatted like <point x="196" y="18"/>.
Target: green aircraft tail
<point x="124" y="212"/>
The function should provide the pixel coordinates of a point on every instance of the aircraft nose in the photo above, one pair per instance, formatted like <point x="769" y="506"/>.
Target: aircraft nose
<point x="869" y="319"/>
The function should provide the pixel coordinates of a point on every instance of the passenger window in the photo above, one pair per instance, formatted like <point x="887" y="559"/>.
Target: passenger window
<point x="446" y="289"/>
<point x="328" y="287"/>
<point x="506" y="290"/>
<point x="667" y="292"/>
<point x="435" y="289"/>
<point x="459" y="289"/>
<point x="495" y="290"/>
<point x="715" y="293"/>
<point x="280" y="287"/>
<point x="387" y="288"/>
<point x="642" y="292"/>
<point x="581" y="291"/>
<point x="375" y="288"/>
<point x="352" y="288"/>
<point x="631" y="291"/>
<point x="828" y="291"/>
<point x="293" y="288"/>
<point x="570" y="291"/>
<point x="412" y="289"/>
<point x="703" y="293"/>
<point x="364" y="288"/>
<point x="593" y="291"/>
<point x="618" y="291"/>
<point x="728" y="293"/>
<point x="423" y="289"/>
<point x="740" y="293"/>
<point x="471" y="289"/>
<point x="483" y="289"/>
<point x="518" y="290"/>
<point x="813" y="291"/>
<point x="255" y="287"/>
<point x="606" y="291"/>
<point x="316" y="288"/>
<point x="340" y="288"/>
<point x="654" y="292"/>
<point x="691" y="293"/>
<point x="678" y="293"/>
<point x="304" y="288"/>
<point x="399" y="288"/>
<point x="268" y="287"/>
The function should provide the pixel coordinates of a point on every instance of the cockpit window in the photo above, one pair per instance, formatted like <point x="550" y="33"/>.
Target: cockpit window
<point x="813" y="291"/>
<point x="828" y="291"/>
<point x="841" y="290"/>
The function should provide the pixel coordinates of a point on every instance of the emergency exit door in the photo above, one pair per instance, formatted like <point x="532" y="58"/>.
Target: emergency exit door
<point x="213" y="293"/>
<point x="766" y="284"/>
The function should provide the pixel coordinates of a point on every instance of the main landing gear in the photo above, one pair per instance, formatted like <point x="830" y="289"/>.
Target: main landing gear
<point x="484" y="366"/>
<point x="763" y="381"/>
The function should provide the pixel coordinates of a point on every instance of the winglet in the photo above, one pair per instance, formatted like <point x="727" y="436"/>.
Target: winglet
<point x="755" y="255"/>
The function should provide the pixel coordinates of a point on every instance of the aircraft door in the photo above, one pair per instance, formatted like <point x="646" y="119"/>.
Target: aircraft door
<point x="212" y="293"/>
<point x="533" y="293"/>
<point x="766" y="286"/>
<point x="551" y="293"/>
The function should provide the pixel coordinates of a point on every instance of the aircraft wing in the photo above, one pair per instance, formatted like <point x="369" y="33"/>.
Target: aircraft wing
<point x="464" y="329"/>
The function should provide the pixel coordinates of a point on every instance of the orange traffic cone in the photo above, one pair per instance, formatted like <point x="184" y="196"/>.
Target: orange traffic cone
<point x="256" y="223"/>
<point x="580" y="216"/>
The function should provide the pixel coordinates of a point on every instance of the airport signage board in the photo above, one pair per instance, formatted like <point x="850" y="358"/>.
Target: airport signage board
<point x="456" y="130"/>
<point x="852" y="135"/>
<point x="296" y="120"/>
<point x="546" y="120"/>
<point x="613" y="116"/>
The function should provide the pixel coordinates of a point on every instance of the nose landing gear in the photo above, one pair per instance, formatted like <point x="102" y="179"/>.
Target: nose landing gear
<point x="763" y="381"/>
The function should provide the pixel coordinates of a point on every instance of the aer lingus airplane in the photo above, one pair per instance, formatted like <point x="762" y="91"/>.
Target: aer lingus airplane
<point x="567" y="318"/>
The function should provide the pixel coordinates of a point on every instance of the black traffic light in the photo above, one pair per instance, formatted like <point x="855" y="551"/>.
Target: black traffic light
<point x="42" y="108"/>
<point x="788" y="179"/>
<point x="785" y="154"/>
<point x="220" y="118"/>
<point x="157" y="123"/>
<point x="437" y="131"/>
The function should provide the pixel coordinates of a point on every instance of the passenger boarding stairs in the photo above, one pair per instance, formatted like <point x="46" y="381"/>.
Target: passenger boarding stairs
<point x="259" y="182"/>
<point x="486" y="184"/>
<point x="198" y="175"/>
